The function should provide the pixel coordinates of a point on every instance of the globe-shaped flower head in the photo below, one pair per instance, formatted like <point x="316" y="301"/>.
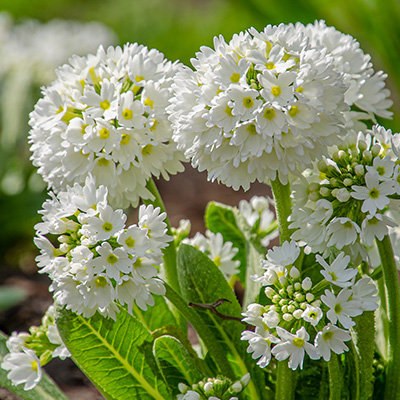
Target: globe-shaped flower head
<point x="259" y="106"/>
<point x="105" y="115"/>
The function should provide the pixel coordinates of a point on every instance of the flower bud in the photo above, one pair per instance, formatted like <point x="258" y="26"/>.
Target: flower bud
<point x="313" y="196"/>
<point x="367" y="155"/>
<point x="309" y="297"/>
<point x="237" y="387"/>
<point x="298" y="313"/>
<point x="362" y="145"/>
<point x="290" y="289"/>
<point x="287" y="317"/>
<point x="347" y="182"/>
<point x="306" y="284"/>
<point x="376" y="149"/>
<point x="269" y="292"/>
<point x="324" y="191"/>
<point x="343" y="195"/>
<point x="322" y="166"/>
<point x="294" y="273"/>
<point x="297" y="286"/>
<point x="245" y="379"/>
<point x="359" y="170"/>
<point x="208" y="387"/>
<point x="299" y="297"/>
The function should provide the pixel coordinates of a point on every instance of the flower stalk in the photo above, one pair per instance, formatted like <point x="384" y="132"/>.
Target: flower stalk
<point x="391" y="279"/>
<point x="285" y="382"/>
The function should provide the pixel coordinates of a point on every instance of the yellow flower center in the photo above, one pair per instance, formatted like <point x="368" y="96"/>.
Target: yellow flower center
<point x="327" y="336"/>
<point x="270" y="65"/>
<point x="228" y="110"/>
<point x="112" y="259"/>
<point x="125" y="139"/>
<point x="269" y="114"/>
<point x="107" y="226"/>
<point x="251" y="129"/>
<point x="103" y="162"/>
<point x="149" y="103"/>
<point x="104" y="133"/>
<point x="276" y="91"/>
<point x="130" y="242"/>
<point x="338" y="308"/>
<point x="374" y="193"/>
<point x="298" y="342"/>
<point x="294" y="111"/>
<point x="235" y="77"/>
<point x="147" y="150"/>
<point x="101" y="281"/>
<point x="34" y="366"/>
<point x="105" y="104"/>
<point x="248" y="102"/>
<point x="127" y="113"/>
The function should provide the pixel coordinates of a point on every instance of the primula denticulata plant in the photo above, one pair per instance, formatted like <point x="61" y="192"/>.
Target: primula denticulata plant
<point x="293" y="107"/>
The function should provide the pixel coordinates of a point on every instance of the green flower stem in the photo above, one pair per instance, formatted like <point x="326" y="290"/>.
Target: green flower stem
<point x="170" y="265"/>
<point x="213" y="346"/>
<point x="335" y="378"/>
<point x="286" y="378"/>
<point x="283" y="208"/>
<point x="391" y="279"/>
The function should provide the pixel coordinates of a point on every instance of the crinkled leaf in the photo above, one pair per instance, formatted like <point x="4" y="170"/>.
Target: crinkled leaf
<point x="115" y="355"/>
<point x="202" y="282"/>
<point x="176" y="364"/>
<point x="45" y="390"/>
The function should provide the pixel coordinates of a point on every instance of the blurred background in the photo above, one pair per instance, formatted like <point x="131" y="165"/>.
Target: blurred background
<point x="38" y="35"/>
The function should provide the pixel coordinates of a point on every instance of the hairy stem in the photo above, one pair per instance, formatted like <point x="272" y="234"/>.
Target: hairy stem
<point x="286" y="378"/>
<point x="391" y="279"/>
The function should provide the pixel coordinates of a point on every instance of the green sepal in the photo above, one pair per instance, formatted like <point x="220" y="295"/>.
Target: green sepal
<point x="45" y="390"/>
<point x="115" y="355"/>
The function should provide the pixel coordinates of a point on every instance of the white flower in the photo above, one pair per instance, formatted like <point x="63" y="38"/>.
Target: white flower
<point x="330" y="339"/>
<point x="337" y="273"/>
<point x="284" y="255"/>
<point x="312" y="315"/>
<point x="365" y="291"/>
<point x="341" y="232"/>
<point x="259" y="345"/>
<point x="253" y="109"/>
<point x="222" y="254"/>
<point x="106" y="224"/>
<point x="105" y="115"/>
<point x="374" y="193"/>
<point x="375" y="226"/>
<point x="294" y="347"/>
<point x="23" y="367"/>
<point x="341" y="308"/>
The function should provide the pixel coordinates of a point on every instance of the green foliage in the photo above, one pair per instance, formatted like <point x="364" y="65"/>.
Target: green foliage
<point x="116" y="356"/>
<point x="202" y="282"/>
<point x="176" y="364"/>
<point x="45" y="390"/>
<point x="233" y="227"/>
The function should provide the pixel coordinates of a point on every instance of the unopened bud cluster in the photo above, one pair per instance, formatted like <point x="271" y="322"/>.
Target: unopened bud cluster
<point x="219" y="388"/>
<point x="348" y="195"/>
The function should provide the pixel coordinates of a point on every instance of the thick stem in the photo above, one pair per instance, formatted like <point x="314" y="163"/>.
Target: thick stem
<point x="286" y="379"/>
<point x="170" y="264"/>
<point x="283" y="208"/>
<point x="391" y="279"/>
<point x="335" y="378"/>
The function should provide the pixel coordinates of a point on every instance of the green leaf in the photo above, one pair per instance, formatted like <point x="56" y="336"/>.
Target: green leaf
<point x="115" y="355"/>
<point x="176" y="364"/>
<point x="233" y="227"/>
<point x="202" y="282"/>
<point x="45" y="390"/>
<point x="155" y="317"/>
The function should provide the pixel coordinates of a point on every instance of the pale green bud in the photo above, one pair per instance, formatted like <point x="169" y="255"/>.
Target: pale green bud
<point x="287" y="317"/>
<point x="324" y="191"/>
<point x="297" y="286"/>
<point x="309" y="297"/>
<point x="347" y="182"/>
<point x="297" y="314"/>
<point x="294" y="273"/>
<point x="359" y="170"/>
<point x="376" y="149"/>
<point x="362" y="145"/>
<point x="367" y="155"/>
<point x="269" y="292"/>
<point x="322" y="166"/>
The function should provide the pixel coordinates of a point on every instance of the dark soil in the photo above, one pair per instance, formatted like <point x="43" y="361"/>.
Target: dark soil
<point x="185" y="196"/>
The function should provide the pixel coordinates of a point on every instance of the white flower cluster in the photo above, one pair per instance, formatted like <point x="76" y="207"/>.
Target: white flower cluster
<point x="99" y="260"/>
<point x="218" y="251"/>
<point x="105" y="115"/>
<point x="300" y="309"/>
<point x="366" y="88"/>
<point x="260" y="218"/>
<point x="345" y="201"/>
<point x="213" y="389"/>
<point x="270" y="102"/>
<point x="29" y="352"/>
